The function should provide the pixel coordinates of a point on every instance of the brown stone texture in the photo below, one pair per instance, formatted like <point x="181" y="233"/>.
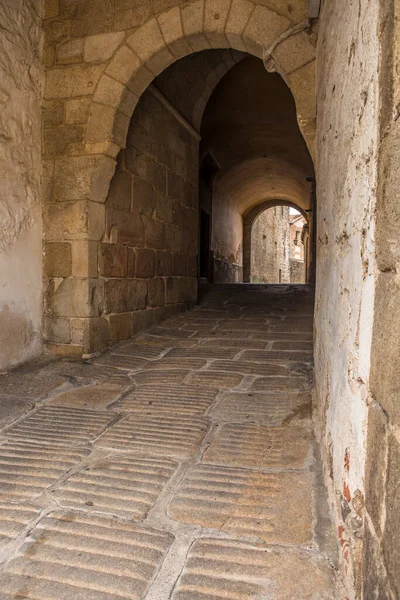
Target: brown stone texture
<point x="117" y="481"/>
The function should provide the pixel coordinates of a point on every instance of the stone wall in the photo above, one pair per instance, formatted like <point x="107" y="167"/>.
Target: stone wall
<point x="297" y="271"/>
<point x="270" y="246"/>
<point x="347" y="146"/>
<point x="149" y="258"/>
<point x="21" y="81"/>
<point x="381" y="546"/>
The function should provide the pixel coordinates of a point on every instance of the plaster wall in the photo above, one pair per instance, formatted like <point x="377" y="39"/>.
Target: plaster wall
<point x="21" y="80"/>
<point x="347" y="146"/>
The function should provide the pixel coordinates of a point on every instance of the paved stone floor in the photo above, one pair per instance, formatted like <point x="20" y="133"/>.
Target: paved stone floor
<point x="180" y="465"/>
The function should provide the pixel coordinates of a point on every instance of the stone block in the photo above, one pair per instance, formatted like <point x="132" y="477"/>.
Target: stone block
<point x="91" y="17"/>
<point x="171" y="28"/>
<point x="192" y="23"/>
<point x="238" y="17"/>
<point x="302" y="85"/>
<point x="77" y="110"/>
<point x="57" y="259"/>
<point x="115" y="94"/>
<point x="72" y="81"/>
<point x="145" y="263"/>
<point x="53" y="113"/>
<point x="70" y="52"/>
<point x="96" y="220"/>
<point x="156" y="292"/>
<point x="173" y="239"/>
<point x="294" y="52"/>
<point x="125" y="228"/>
<point x="57" y="331"/>
<point x="120" y="193"/>
<point x="97" y="336"/>
<point x="143" y="319"/>
<point x="125" y="295"/>
<point x="136" y="162"/>
<point x="143" y="197"/>
<point x="131" y="262"/>
<point x="148" y="43"/>
<point x="163" y="263"/>
<point x="84" y="259"/>
<point x="179" y="264"/>
<point x="113" y="260"/>
<point x="164" y="208"/>
<point x="58" y="141"/>
<point x="55" y="31"/>
<point x="51" y="9"/>
<point x="83" y="177"/>
<point x="263" y="29"/>
<point x="192" y="265"/>
<point x="124" y="65"/>
<point x="78" y="298"/>
<point x="390" y="540"/>
<point x="156" y="176"/>
<point x="131" y="15"/>
<point x="64" y="221"/>
<point x="106" y="124"/>
<point x="101" y="47"/>
<point x="155" y="234"/>
<point x="375" y="465"/>
<point x="175" y="187"/>
<point x="120" y="327"/>
<point x="215" y="16"/>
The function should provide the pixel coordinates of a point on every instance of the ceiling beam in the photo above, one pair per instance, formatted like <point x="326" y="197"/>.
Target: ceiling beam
<point x="313" y="8"/>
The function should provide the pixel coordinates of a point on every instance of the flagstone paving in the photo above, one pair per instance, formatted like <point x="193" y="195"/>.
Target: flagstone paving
<point x="179" y="465"/>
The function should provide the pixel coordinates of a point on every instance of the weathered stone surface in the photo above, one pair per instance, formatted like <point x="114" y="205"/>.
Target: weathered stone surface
<point x="102" y="46"/>
<point x="156" y="292"/>
<point x="164" y="435"/>
<point x="93" y="397"/>
<point x="58" y="259"/>
<point x="217" y="379"/>
<point x="270" y="506"/>
<point x="72" y="81"/>
<point x="145" y="263"/>
<point x="124" y="295"/>
<point x="152" y="399"/>
<point x="60" y="426"/>
<point x="27" y="470"/>
<point x="127" y="487"/>
<point x="117" y="571"/>
<point x="14" y="519"/>
<point x="228" y="567"/>
<point x="251" y="445"/>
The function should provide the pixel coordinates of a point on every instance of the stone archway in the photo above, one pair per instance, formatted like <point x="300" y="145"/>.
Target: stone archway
<point x="248" y="221"/>
<point x="98" y="95"/>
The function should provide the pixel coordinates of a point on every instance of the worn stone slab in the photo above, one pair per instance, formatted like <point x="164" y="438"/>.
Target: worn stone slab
<point x="249" y="368"/>
<point x="293" y="345"/>
<point x="234" y="343"/>
<point x="281" y="384"/>
<point x="32" y="382"/>
<point x="166" y="435"/>
<point x="172" y="332"/>
<point x="160" y="376"/>
<point x="203" y="352"/>
<point x="124" y="486"/>
<point x="233" y="570"/>
<point x="60" y="426"/>
<point x="95" y="396"/>
<point x="283" y="355"/>
<point x="11" y="408"/>
<point x="166" y="363"/>
<point x="217" y="379"/>
<point x="262" y="408"/>
<point x="27" y="470"/>
<point x="118" y="361"/>
<point x="270" y="336"/>
<point x="14" y="519"/>
<point x="79" y="557"/>
<point x="253" y="445"/>
<point x="276" y="507"/>
<point x="183" y="399"/>
<point x="146" y="351"/>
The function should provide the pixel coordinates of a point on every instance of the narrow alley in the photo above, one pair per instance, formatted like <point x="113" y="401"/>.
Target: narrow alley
<point x="181" y="464"/>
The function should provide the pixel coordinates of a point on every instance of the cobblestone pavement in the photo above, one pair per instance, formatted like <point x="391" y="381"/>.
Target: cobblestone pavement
<point x="181" y="464"/>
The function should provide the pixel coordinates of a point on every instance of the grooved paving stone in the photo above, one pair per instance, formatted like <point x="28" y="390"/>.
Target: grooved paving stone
<point x="221" y="380"/>
<point x="254" y="445"/>
<point x="264" y="355"/>
<point x="227" y="335"/>
<point x="230" y="570"/>
<point x="95" y="396"/>
<point x="12" y="407"/>
<point x="249" y="368"/>
<point x="78" y="557"/>
<point x="203" y="352"/>
<point x="176" y="399"/>
<point x="292" y="345"/>
<point x="173" y="333"/>
<point x="31" y="383"/>
<point x="164" y="364"/>
<point x="14" y="519"/>
<point x="236" y="344"/>
<point x="281" y="384"/>
<point x="160" y="376"/>
<point x="168" y="435"/>
<point x="121" y="361"/>
<point x="27" y="470"/>
<point x="60" y="425"/>
<point x="244" y="407"/>
<point x="275" y="507"/>
<point x="127" y="487"/>
<point x="147" y="351"/>
<point x="283" y="336"/>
